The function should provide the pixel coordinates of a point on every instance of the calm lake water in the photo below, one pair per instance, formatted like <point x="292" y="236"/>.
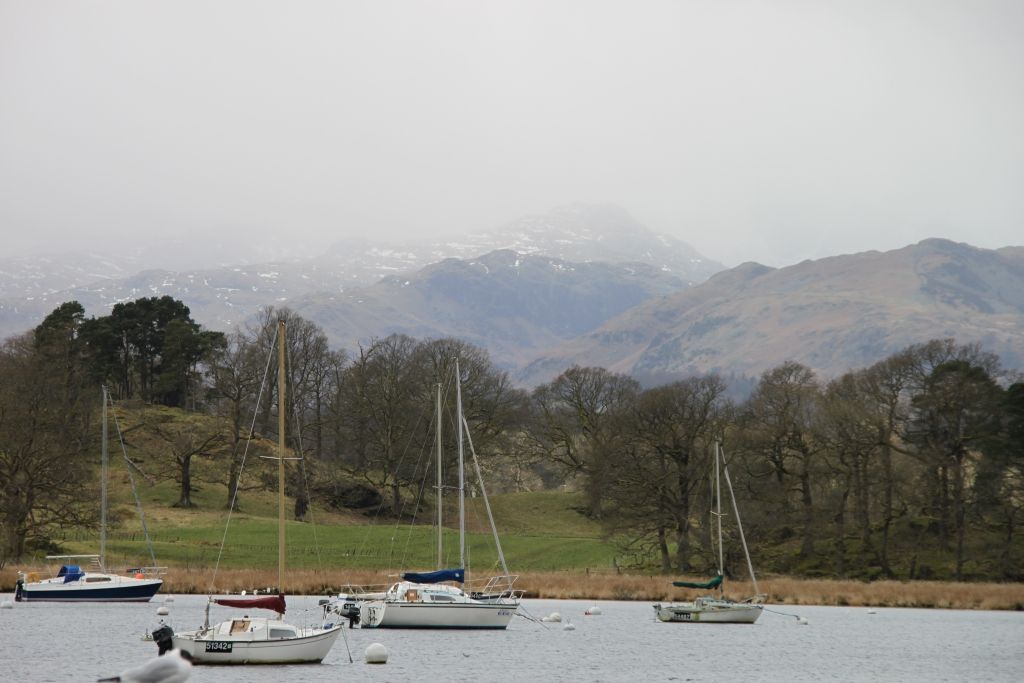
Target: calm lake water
<point x="53" y="642"/>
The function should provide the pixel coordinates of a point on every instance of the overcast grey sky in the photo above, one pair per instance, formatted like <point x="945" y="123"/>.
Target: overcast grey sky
<point x="770" y="131"/>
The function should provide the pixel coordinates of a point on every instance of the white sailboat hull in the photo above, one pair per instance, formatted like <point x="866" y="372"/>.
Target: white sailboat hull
<point x="310" y="647"/>
<point x="387" y="614"/>
<point x="710" y="612"/>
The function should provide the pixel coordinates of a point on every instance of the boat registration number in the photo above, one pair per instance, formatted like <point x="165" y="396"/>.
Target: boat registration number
<point x="219" y="646"/>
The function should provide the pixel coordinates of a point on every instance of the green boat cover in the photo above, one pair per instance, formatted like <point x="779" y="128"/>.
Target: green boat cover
<point x="713" y="583"/>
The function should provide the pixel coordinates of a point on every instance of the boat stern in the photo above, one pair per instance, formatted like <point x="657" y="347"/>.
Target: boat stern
<point x="371" y="613"/>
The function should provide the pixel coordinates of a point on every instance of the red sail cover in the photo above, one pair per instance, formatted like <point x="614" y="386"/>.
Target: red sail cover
<point x="274" y="602"/>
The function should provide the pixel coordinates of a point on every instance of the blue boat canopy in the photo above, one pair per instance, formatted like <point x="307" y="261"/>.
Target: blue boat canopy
<point x="436" y="577"/>
<point x="70" y="572"/>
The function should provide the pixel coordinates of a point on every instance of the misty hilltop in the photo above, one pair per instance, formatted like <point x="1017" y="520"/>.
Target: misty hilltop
<point x="222" y="297"/>
<point x="590" y="232"/>
<point x="509" y="303"/>
<point x="830" y="314"/>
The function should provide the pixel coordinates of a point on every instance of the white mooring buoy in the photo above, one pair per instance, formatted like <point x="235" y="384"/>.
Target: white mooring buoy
<point x="568" y="626"/>
<point x="871" y="611"/>
<point x="593" y="611"/>
<point x="6" y="604"/>
<point x="169" y="598"/>
<point x="802" y="621"/>
<point x="162" y="611"/>
<point x="376" y="654"/>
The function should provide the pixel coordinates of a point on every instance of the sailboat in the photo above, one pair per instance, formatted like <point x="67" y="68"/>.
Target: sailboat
<point x="260" y="640"/>
<point x="73" y="583"/>
<point x="437" y="599"/>
<point x="716" y="609"/>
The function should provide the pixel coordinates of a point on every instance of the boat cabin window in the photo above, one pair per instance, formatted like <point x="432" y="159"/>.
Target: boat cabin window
<point x="239" y="625"/>
<point x="442" y="598"/>
<point x="96" y="579"/>
<point x="281" y="633"/>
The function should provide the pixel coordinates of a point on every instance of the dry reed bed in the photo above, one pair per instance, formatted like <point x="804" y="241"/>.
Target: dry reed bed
<point x="941" y="594"/>
<point x="607" y="586"/>
<point x="786" y="591"/>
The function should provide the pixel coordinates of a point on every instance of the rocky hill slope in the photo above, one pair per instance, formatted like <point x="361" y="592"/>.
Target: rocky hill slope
<point x="831" y="314"/>
<point x="512" y="304"/>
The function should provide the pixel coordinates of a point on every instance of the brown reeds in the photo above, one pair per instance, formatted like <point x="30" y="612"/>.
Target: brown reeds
<point x="941" y="594"/>
<point x="588" y="585"/>
<point x="785" y="591"/>
<point x="299" y="581"/>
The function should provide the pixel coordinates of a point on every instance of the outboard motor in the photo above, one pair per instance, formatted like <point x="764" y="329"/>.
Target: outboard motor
<point x="19" y="590"/>
<point x="162" y="638"/>
<point x="348" y="610"/>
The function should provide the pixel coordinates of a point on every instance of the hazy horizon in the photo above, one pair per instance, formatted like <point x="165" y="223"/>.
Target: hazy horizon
<point x="769" y="132"/>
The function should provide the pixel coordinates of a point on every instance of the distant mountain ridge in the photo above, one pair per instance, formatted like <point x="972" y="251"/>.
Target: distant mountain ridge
<point x="587" y="285"/>
<point x="511" y="304"/>
<point x="832" y="314"/>
<point x="223" y="297"/>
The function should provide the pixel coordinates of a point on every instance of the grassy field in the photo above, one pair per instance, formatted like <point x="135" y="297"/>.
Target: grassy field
<point x="538" y="532"/>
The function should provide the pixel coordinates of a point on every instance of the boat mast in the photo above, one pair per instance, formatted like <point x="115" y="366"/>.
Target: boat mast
<point x="280" y="454"/>
<point x="718" y="514"/>
<point x="739" y="525"/>
<point x="483" y="494"/>
<point x="103" y="487"/>
<point x="440" y="558"/>
<point x="462" y="474"/>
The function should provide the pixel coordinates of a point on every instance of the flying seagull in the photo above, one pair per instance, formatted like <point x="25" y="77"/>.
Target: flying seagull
<point x="173" y="667"/>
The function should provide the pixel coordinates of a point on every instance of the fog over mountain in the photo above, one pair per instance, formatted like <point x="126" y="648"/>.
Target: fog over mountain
<point x="755" y="131"/>
<point x="223" y="297"/>
<point x="388" y="166"/>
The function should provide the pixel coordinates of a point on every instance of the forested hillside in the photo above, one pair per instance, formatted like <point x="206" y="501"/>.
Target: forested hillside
<point x="910" y="468"/>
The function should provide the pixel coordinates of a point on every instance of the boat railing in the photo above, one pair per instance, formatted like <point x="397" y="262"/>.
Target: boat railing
<point x="147" y="572"/>
<point x="364" y="591"/>
<point x="96" y="564"/>
<point x="499" y="587"/>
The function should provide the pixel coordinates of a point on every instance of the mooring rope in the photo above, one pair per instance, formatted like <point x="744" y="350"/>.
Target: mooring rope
<point x="347" y="648"/>
<point x="785" y="614"/>
<point x="521" y="612"/>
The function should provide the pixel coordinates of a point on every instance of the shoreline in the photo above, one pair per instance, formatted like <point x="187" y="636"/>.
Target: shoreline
<point x="587" y="585"/>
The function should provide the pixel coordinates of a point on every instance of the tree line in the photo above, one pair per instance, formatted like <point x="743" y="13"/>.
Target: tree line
<point x="913" y="467"/>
